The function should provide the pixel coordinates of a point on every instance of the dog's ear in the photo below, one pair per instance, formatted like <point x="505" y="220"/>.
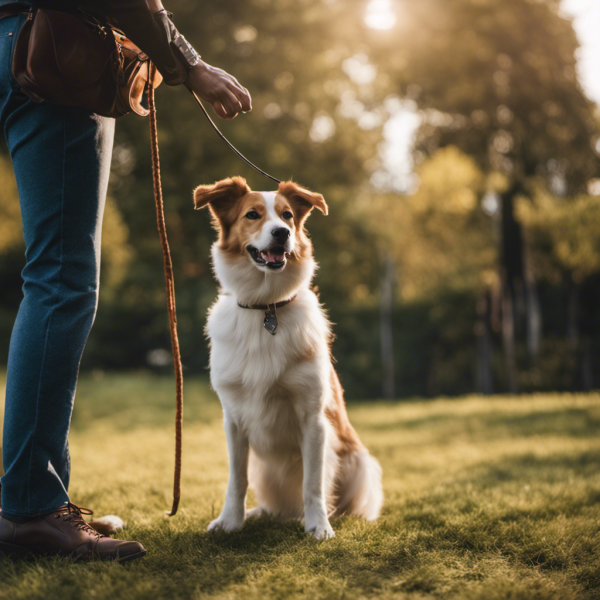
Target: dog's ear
<point x="302" y="200"/>
<point x="221" y="198"/>
<point x="221" y="193"/>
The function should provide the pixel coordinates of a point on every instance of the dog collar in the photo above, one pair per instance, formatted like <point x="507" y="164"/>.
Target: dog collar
<point x="270" y="323"/>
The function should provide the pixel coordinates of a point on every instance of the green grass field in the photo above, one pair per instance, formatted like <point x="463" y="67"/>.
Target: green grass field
<point x="486" y="498"/>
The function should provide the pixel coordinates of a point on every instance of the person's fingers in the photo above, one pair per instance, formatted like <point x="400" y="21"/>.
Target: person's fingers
<point x="230" y="103"/>
<point x="219" y="110"/>
<point x="241" y="94"/>
<point x="245" y="100"/>
<point x="221" y="89"/>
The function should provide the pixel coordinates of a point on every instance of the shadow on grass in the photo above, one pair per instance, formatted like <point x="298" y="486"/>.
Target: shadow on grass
<point x="517" y="492"/>
<point x="569" y="422"/>
<point x="267" y="553"/>
<point x="282" y="551"/>
<point x="419" y="546"/>
<point x="532" y="469"/>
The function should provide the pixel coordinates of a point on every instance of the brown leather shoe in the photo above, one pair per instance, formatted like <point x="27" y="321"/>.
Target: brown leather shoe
<point x="65" y="533"/>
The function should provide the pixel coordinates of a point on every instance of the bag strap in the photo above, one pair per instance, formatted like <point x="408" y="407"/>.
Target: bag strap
<point x="170" y="288"/>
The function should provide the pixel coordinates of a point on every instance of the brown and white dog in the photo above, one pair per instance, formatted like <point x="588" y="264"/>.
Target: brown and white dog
<point x="288" y="432"/>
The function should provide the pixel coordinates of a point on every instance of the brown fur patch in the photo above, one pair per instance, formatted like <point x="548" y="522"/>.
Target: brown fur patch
<point x="338" y="417"/>
<point x="307" y="354"/>
<point x="240" y="230"/>
<point x="222" y="198"/>
<point x="302" y="200"/>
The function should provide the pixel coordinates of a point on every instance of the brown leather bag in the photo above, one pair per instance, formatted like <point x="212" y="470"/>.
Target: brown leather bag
<point x="73" y="60"/>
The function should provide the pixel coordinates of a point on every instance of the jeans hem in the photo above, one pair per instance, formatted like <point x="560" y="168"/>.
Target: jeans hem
<point x="40" y="513"/>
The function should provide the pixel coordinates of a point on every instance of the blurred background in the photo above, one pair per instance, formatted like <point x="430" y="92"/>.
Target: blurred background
<point x="457" y="144"/>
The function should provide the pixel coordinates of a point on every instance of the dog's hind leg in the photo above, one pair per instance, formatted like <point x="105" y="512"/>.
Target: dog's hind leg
<point x="256" y="512"/>
<point x="277" y="485"/>
<point x="359" y="490"/>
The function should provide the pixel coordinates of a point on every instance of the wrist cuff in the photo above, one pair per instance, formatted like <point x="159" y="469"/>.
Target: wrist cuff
<point x="184" y="55"/>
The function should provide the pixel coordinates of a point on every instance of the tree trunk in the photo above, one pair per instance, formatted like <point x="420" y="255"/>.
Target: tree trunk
<point x="387" y="336"/>
<point x="579" y="338"/>
<point x="508" y="340"/>
<point x="515" y="307"/>
<point x="587" y="363"/>
<point x="534" y="313"/>
<point x="485" y="383"/>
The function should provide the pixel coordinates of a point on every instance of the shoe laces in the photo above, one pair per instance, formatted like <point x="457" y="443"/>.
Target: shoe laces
<point x="73" y="514"/>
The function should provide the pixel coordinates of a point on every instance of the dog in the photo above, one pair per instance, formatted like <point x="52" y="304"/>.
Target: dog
<point x="288" y="433"/>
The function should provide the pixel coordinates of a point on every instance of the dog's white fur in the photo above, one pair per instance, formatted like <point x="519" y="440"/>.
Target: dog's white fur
<point x="108" y="525"/>
<point x="287" y="430"/>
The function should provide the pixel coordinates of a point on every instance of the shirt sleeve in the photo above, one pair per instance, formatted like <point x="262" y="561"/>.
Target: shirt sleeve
<point x="152" y="35"/>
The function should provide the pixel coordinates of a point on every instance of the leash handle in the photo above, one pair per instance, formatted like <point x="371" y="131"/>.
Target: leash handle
<point x="199" y="103"/>
<point x="170" y="288"/>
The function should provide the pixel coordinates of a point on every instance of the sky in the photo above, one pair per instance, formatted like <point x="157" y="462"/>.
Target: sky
<point x="399" y="129"/>
<point x="586" y="21"/>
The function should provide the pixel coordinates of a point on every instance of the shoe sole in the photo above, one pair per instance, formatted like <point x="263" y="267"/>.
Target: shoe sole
<point x="20" y="553"/>
<point x="131" y="557"/>
<point x="15" y="552"/>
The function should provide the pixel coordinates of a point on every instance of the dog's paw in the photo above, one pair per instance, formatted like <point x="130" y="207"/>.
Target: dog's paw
<point x="225" y="524"/>
<point x="319" y="528"/>
<point x="107" y="525"/>
<point x="255" y="513"/>
<point x="322" y="533"/>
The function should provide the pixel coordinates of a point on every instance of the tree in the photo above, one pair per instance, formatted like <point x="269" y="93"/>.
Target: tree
<point x="497" y="80"/>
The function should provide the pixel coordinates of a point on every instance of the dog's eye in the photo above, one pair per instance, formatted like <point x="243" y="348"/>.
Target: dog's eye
<point x="252" y="214"/>
<point x="287" y="214"/>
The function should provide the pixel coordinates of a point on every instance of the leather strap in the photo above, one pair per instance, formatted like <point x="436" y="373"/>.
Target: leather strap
<point x="199" y="103"/>
<point x="170" y="287"/>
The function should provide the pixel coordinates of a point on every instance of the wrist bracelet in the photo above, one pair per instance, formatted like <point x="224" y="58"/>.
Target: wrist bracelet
<point x="182" y="50"/>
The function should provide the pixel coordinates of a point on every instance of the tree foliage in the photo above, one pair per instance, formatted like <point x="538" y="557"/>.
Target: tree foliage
<point x="564" y="235"/>
<point x="499" y="217"/>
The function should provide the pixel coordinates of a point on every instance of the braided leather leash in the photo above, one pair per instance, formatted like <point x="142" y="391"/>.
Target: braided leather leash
<point x="170" y="287"/>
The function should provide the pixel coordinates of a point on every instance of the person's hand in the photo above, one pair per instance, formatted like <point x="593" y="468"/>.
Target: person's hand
<point x="221" y="89"/>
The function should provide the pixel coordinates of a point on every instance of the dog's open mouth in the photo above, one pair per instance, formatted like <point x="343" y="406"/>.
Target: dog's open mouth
<point x="273" y="258"/>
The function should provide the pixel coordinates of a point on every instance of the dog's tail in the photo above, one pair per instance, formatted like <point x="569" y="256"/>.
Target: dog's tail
<point x="359" y="490"/>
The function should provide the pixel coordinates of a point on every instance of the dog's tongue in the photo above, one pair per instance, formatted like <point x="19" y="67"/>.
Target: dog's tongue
<point x="270" y="256"/>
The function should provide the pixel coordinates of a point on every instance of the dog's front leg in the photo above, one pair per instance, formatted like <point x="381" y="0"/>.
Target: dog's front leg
<point x="314" y="437"/>
<point x="233" y="513"/>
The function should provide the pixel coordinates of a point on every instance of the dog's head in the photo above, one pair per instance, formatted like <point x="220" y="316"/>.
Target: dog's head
<point x="261" y="231"/>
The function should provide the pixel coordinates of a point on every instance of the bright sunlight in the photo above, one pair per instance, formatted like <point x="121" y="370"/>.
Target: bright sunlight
<point x="380" y="14"/>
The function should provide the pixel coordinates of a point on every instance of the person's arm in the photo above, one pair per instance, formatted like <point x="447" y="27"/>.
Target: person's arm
<point x="155" y="5"/>
<point x="145" y="23"/>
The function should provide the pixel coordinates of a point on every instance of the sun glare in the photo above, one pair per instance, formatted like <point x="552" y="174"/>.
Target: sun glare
<point x="380" y="14"/>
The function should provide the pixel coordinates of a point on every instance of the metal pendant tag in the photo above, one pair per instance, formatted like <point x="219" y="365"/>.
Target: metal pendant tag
<point x="270" y="322"/>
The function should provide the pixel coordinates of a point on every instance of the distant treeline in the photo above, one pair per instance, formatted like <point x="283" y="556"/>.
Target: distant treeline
<point x="473" y="265"/>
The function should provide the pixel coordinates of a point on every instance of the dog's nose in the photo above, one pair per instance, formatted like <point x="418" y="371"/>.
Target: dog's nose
<point x="281" y="234"/>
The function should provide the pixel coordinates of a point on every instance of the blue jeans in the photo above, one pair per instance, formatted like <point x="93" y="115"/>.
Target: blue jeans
<point x="61" y="158"/>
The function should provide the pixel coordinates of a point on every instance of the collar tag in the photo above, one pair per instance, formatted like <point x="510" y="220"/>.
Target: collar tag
<point x="270" y="322"/>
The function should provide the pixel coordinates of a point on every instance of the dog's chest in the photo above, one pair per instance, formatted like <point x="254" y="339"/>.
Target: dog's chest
<point x="261" y="378"/>
<point x="244" y="353"/>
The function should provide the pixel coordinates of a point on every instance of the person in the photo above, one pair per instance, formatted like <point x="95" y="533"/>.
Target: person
<point x="61" y="158"/>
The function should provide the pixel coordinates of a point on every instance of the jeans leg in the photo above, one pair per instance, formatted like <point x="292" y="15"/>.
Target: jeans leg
<point x="61" y="157"/>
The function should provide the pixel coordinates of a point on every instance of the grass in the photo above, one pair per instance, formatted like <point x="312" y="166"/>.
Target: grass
<point x="486" y="498"/>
